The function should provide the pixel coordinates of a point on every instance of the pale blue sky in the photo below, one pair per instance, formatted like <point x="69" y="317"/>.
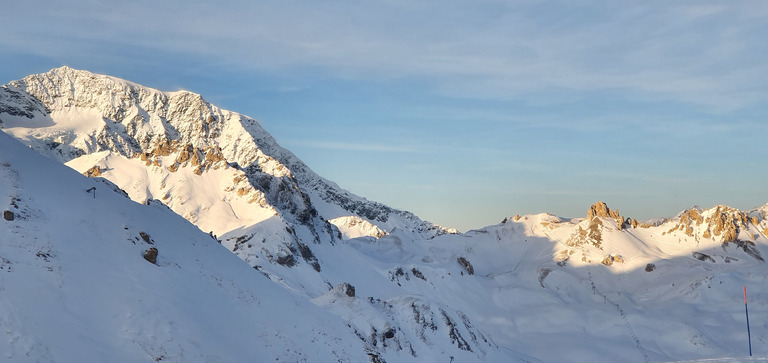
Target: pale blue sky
<point x="463" y="112"/>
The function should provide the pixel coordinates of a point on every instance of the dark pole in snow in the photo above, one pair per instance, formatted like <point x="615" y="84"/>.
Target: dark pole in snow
<point x="746" y="310"/>
<point x="92" y="189"/>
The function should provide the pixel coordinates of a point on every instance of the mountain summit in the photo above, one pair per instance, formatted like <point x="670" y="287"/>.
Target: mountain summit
<point x="218" y="169"/>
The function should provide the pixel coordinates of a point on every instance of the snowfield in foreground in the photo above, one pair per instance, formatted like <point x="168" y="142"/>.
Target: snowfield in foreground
<point x="76" y="287"/>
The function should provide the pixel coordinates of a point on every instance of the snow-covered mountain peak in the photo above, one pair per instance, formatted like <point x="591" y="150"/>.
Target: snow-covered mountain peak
<point x="721" y="223"/>
<point x="219" y="169"/>
<point x="78" y="113"/>
<point x="605" y="236"/>
<point x="89" y="113"/>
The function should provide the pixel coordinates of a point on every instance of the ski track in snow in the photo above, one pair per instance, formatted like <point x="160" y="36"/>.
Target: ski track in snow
<point x="622" y="314"/>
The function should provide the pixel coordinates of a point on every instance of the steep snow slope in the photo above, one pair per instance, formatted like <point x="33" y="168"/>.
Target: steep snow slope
<point x="592" y="289"/>
<point x="219" y="176"/>
<point x="76" y="288"/>
<point x="216" y="168"/>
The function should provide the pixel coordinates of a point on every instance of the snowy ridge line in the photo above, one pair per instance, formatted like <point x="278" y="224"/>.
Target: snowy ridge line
<point x="73" y="278"/>
<point x="218" y="169"/>
<point x="223" y="172"/>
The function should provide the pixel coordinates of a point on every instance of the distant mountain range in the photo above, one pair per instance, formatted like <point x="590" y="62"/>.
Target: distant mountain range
<point x="323" y="274"/>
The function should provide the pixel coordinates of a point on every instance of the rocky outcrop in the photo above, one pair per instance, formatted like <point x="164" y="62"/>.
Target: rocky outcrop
<point x="692" y="215"/>
<point x="721" y="223"/>
<point x="702" y="257"/>
<point x="600" y="209"/>
<point x="175" y="131"/>
<point x="16" y="102"/>
<point x="635" y="224"/>
<point x="592" y="234"/>
<point x="93" y="172"/>
<point x="726" y="222"/>
<point x="466" y="265"/>
<point x="611" y="259"/>
<point x="348" y="289"/>
<point x="590" y="231"/>
<point x="151" y="255"/>
<point x="146" y="238"/>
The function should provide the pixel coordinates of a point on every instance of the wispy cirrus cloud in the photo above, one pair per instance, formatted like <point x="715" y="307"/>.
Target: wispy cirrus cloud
<point x="352" y="146"/>
<point x="706" y="53"/>
<point x="561" y="100"/>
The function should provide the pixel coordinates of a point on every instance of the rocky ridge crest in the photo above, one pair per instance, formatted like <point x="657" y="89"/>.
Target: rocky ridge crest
<point x="173" y="131"/>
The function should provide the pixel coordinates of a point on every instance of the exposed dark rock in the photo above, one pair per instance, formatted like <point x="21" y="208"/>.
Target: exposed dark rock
<point x="146" y="238"/>
<point x="44" y="255"/>
<point x="349" y="290"/>
<point x="702" y="257"/>
<point x="543" y="273"/>
<point x="418" y="274"/>
<point x="375" y="358"/>
<point x="454" y="334"/>
<point x="16" y="103"/>
<point x="8" y="215"/>
<point x="241" y="241"/>
<point x="748" y="247"/>
<point x="466" y="265"/>
<point x="307" y="255"/>
<point x="151" y="255"/>
<point x="424" y="319"/>
<point x="389" y="334"/>
<point x="287" y="260"/>
<point x="650" y="267"/>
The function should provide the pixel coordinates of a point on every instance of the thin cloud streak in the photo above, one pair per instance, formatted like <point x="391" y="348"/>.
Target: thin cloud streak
<point x="705" y="53"/>
<point x="350" y="146"/>
<point x="520" y="99"/>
